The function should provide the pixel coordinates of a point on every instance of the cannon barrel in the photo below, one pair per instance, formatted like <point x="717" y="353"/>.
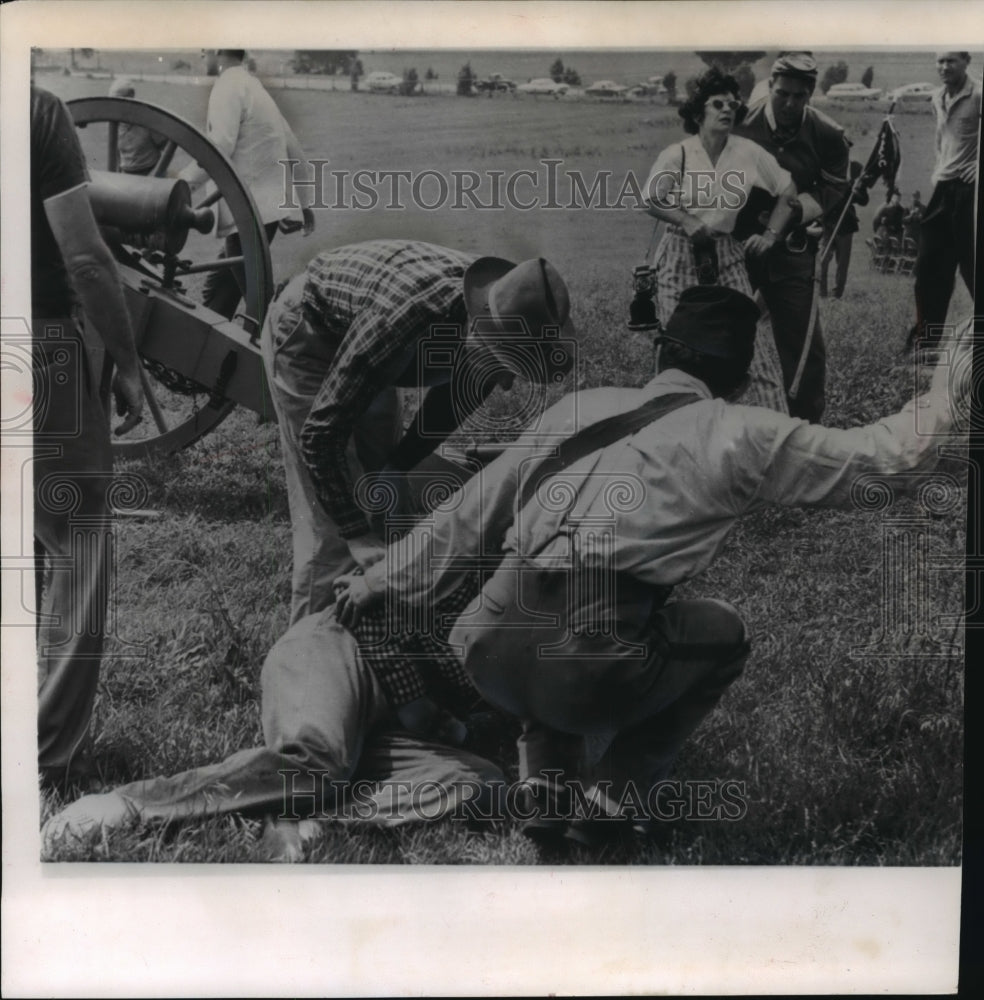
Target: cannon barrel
<point x="155" y="209"/>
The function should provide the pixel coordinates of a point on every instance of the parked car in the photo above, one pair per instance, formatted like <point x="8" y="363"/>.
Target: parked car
<point x="496" y="82"/>
<point x="912" y="92"/>
<point x="381" y="82"/>
<point x="606" y="88"/>
<point x="543" y="85"/>
<point x="852" y="92"/>
<point x="653" y="87"/>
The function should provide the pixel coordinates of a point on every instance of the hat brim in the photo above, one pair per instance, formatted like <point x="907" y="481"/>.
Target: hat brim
<point x="480" y="276"/>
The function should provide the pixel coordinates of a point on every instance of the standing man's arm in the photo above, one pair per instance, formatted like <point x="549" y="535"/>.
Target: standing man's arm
<point x="92" y="271"/>
<point x="295" y="151"/>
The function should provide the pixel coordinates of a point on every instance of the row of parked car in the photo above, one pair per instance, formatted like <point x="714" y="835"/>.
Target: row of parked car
<point x="381" y="82"/>
<point x="389" y="83"/>
<point x="913" y="93"/>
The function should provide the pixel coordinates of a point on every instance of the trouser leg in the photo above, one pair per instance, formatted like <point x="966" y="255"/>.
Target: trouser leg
<point x="72" y="476"/>
<point x="788" y="293"/>
<point x="296" y="362"/>
<point x="936" y="266"/>
<point x="319" y="703"/>
<point x="963" y="215"/>
<point x="704" y="652"/>
<point x="226" y="286"/>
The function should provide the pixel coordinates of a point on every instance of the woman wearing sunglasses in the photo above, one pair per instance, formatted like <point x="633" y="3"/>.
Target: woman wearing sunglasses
<point x="697" y="187"/>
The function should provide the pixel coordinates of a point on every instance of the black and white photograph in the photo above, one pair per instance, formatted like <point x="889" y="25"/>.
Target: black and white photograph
<point x="448" y="444"/>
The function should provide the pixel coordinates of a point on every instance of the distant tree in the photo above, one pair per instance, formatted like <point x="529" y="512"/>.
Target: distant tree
<point x="729" y="62"/>
<point x="466" y="81"/>
<point x="670" y="82"/>
<point x="410" y="80"/>
<point x="557" y="71"/>
<point x="430" y="74"/>
<point x="571" y="77"/>
<point x="833" y="74"/>
<point x="868" y="76"/>
<point x="327" y="61"/>
<point x="180" y="64"/>
<point x="736" y="64"/>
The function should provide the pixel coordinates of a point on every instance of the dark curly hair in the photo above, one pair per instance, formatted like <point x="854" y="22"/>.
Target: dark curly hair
<point x="707" y="85"/>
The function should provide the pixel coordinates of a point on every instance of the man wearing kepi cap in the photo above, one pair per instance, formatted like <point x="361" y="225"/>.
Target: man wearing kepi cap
<point x="366" y="318"/>
<point x="572" y="631"/>
<point x="814" y="149"/>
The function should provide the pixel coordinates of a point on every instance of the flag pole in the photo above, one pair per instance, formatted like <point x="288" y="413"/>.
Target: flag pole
<point x="826" y="246"/>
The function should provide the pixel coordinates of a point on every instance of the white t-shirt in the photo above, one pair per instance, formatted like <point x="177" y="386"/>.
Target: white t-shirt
<point x="246" y="124"/>
<point x="715" y="193"/>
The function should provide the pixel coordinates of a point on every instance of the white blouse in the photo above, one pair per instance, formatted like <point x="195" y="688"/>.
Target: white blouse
<point x="714" y="193"/>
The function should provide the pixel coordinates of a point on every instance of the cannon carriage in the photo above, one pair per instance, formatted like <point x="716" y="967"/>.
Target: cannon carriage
<point x="197" y="365"/>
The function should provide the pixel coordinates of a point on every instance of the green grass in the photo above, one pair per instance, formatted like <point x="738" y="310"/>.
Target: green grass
<point x="846" y="757"/>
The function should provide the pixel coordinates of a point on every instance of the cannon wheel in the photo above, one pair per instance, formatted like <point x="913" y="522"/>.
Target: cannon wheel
<point x="180" y="410"/>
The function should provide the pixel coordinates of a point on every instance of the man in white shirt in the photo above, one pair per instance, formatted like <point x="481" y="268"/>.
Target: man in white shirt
<point x="246" y="124"/>
<point x="571" y="632"/>
<point x="946" y="232"/>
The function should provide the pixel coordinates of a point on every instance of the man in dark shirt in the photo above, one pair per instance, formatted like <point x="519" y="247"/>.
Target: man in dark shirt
<point x="71" y="267"/>
<point x="814" y="150"/>
<point x="363" y="319"/>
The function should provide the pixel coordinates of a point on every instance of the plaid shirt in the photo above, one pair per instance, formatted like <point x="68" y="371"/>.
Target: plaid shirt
<point x="410" y="655"/>
<point x="375" y="301"/>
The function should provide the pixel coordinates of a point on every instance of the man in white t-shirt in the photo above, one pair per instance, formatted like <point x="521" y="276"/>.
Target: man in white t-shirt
<point x="246" y="124"/>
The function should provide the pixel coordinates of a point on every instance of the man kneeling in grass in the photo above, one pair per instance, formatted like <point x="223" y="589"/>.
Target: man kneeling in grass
<point x="572" y="632"/>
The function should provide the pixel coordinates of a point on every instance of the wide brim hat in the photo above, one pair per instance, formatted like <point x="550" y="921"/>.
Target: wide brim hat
<point x="521" y="313"/>
<point x="716" y="321"/>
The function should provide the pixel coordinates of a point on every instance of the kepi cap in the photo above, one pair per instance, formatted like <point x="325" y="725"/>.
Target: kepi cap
<point x="801" y="65"/>
<point x="714" y="320"/>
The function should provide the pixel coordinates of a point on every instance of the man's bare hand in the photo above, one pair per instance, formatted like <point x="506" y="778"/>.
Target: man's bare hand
<point x="759" y="244"/>
<point x="129" y="395"/>
<point x="353" y="599"/>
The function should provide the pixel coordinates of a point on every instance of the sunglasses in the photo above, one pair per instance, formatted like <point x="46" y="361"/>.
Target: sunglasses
<point x="718" y="104"/>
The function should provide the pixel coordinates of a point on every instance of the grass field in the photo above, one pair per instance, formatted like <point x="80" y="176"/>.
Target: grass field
<point x="849" y="742"/>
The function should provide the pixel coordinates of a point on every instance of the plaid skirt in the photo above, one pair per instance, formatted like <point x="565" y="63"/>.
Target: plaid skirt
<point x="676" y="270"/>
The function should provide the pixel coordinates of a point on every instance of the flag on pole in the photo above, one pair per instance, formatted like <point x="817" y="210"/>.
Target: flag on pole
<point x="885" y="159"/>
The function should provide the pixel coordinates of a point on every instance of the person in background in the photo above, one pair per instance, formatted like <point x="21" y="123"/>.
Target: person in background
<point x="888" y="220"/>
<point x="76" y="298"/>
<point x="246" y="125"/>
<point x="697" y="187"/>
<point x="814" y="149"/>
<point x="844" y="238"/>
<point x="138" y="148"/>
<point x="946" y="234"/>
<point x="913" y="218"/>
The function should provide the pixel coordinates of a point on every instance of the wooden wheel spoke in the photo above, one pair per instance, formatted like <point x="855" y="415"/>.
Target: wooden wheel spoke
<point x="167" y="154"/>
<point x="155" y="408"/>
